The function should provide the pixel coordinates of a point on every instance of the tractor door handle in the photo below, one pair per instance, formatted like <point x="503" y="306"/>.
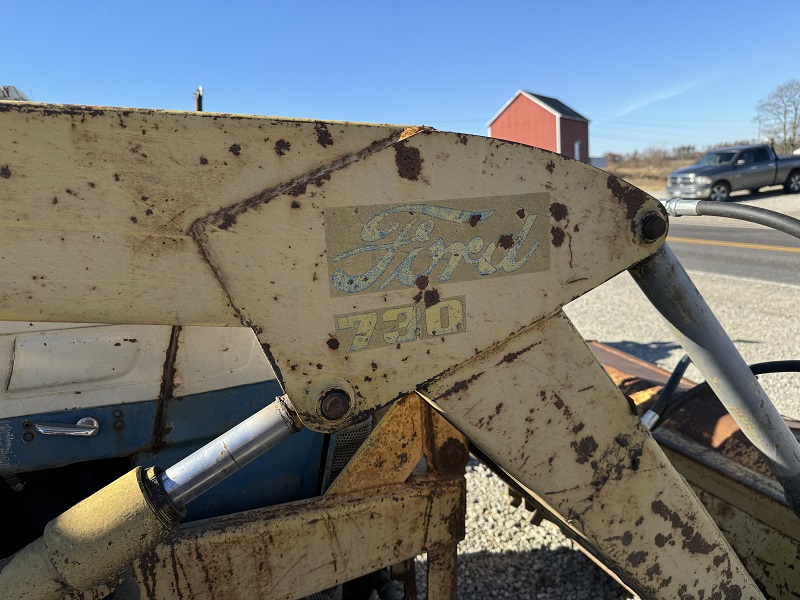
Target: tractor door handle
<point x="87" y="426"/>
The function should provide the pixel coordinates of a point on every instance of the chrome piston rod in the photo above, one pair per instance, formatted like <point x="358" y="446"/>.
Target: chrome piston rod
<point x="668" y="287"/>
<point x="203" y="469"/>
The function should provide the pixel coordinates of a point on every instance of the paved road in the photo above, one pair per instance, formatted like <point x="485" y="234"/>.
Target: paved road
<point x="735" y="250"/>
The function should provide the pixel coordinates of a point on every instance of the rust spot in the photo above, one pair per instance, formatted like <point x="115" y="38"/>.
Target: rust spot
<point x="521" y="213"/>
<point x="333" y="343"/>
<point x="474" y="220"/>
<point x="460" y="386"/>
<point x="653" y="571"/>
<point x="227" y="220"/>
<point x="451" y="457"/>
<point x="637" y="558"/>
<point x="585" y="449"/>
<point x="632" y="197"/>
<point x="235" y="149"/>
<point x="295" y="204"/>
<point x="576" y="229"/>
<point x="297" y="190"/>
<point x="578" y="428"/>
<point x="203" y="160"/>
<point x="134" y="220"/>
<point x="91" y="184"/>
<point x="5" y="172"/>
<point x="421" y="282"/>
<point x="431" y="297"/>
<point x="320" y="181"/>
<point x="282" y="147"/>
<point x="324" y="138"/>
<point x="408" y="161"/>
<point x="692" y="541"/>
<point x="463" y="139"/>
<point x="661" y="540"/>
<point x="512" y="356"/>
<point x="116" y="177"/>
<point x="55" y="199"/>
<point x="551" y="166"/>
<point x="557" y="235"/>
<point x="558" y="211"/>
<point x="148" y="212"/>
<point x="506" y="241"/>
<point x="635" y="454"/>
<point x="626" y="538"/>
<point x="374" y="367"/>
<point x="418" y="297"/>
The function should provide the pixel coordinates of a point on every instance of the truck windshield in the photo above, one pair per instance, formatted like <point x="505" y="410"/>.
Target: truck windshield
<point x="716" y="158"/>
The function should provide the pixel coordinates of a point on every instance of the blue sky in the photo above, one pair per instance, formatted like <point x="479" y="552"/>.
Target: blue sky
<point x="656" y="74"/>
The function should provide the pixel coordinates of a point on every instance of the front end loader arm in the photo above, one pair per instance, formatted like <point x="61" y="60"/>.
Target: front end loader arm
<point x="371" y="261"/>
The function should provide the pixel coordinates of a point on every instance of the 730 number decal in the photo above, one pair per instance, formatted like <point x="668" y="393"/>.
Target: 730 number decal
<point x="401" y="324"/>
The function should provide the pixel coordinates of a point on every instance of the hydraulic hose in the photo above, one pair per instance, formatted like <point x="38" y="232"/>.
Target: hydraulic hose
<point x="673" y="405"/>
<point x="742" y="212"/>
<point x="653" y="416"/>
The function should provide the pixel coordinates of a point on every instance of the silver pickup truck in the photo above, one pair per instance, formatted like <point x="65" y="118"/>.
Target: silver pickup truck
<point x="727" y="170"/>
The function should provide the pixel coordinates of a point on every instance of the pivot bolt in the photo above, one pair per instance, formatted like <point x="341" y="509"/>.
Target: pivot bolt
<point x="334" y="405"/>
<point x="653" y="226"/>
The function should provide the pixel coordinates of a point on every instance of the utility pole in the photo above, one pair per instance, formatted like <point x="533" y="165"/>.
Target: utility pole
<point x="198" y="99"/>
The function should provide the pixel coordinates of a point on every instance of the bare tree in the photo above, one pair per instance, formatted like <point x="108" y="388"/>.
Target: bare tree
<point x="778" y="116"/>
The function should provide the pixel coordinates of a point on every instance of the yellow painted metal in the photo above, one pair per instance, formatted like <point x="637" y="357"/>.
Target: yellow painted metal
<point x="294" y="550"/>
<point x="88" y="544"/>
<point x="375" y="260"/>
<point x="390" y="454"/>
<point x="442" y="569"/>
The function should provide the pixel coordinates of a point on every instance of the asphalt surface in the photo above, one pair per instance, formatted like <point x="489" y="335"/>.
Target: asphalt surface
<point x="735" y="250"/>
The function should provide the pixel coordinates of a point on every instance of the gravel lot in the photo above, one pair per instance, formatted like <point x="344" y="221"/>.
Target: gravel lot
<point x="503" y="555"/>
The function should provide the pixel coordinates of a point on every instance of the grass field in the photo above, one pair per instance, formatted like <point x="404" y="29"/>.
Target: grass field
<point x="650" y="176"/>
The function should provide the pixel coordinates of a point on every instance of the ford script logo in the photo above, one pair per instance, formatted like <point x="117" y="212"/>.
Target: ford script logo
<point x="461" y="240"/>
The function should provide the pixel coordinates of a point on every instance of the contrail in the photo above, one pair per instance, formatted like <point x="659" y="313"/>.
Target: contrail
<point x="657" y="97"/>
<point x="108" y="14"/>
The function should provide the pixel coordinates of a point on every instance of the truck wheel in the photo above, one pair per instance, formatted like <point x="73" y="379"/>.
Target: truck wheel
<point x="720" y="192"/>
<point x="792" y="184"/>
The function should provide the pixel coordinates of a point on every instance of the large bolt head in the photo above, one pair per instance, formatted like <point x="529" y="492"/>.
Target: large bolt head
<point x="653" y="226"/>
<point x="334" y="405"/>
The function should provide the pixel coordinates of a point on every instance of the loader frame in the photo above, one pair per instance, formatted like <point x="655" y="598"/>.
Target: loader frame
<point x="373" y="262"/>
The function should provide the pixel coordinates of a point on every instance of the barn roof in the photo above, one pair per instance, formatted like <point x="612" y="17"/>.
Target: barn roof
<point x="554" y="105"/>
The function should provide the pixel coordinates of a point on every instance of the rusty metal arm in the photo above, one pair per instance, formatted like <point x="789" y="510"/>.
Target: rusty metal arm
<point x="668" y="287"/>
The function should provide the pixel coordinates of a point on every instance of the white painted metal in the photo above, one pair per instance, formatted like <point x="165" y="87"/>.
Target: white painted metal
<point x="50" y="367"/>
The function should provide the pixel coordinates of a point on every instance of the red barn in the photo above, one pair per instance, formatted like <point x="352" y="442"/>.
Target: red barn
<point x="543" y="122"/>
